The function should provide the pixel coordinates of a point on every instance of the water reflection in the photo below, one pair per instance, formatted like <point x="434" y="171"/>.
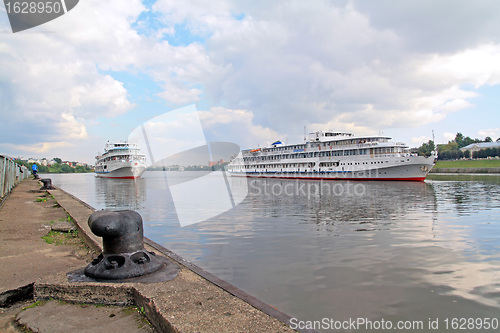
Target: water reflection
<point x="339" y="207"/>
<point x="120" y="194"/>
<point x="393" y="250"/>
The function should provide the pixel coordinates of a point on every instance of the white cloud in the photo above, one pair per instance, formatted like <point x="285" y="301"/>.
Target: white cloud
<point x="70" y="128"/>
<point x="51" y="74"/>
<point x="325" y="65"/>
<point x="350" y="66"/>
<point x="417" y="141"/>
<point x="52" y="80"/>
<point x="237" y="126"/>
<point x="37" y="148"/>
<point x="179" y="95"/>
<point x="102" y="97"/>
<point x="448" y="136"/>
<point x="477" y="66"/>
<point x="493" y="133"/>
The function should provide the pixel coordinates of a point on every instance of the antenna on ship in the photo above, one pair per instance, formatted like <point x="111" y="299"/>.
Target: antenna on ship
<point x="435" y="145"/>
<point x="305" y="139"/>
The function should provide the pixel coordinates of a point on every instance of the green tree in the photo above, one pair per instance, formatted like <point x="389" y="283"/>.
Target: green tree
<point x="488" y="139"/>
<point x="55" y="168"/>
<point x="427" y="148"/>
<point x="452" y="145"/>
<point x="67" y="169"/>
<point x="58" y="160"/>
<point x="451" y="150"/>
<point x="459" y="139"/>
<point x="463" y="141"/>
<point x="43" y="169"/>
<point x="467" y="141"/>
<point x="82" y="169"/>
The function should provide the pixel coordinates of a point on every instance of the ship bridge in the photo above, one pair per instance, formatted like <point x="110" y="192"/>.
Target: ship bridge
<point x="322" y="136"/>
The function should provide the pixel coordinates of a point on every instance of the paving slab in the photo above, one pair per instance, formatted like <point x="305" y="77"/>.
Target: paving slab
<point x="63" y="226"/>
<point x="189" y="303"/>
<point x="54" y="316"/>
<point x="25" y="217"/>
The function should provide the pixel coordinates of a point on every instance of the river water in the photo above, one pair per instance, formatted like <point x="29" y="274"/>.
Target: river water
<point x="417" y="253"/>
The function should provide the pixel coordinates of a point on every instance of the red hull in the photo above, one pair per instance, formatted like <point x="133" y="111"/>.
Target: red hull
<point x="120" y="177"/>
<point x="412" y="179"/>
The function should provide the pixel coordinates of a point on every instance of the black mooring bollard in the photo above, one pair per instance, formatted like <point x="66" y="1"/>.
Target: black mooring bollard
<point x="124" y="255"/>
<point x="47" y="184"/>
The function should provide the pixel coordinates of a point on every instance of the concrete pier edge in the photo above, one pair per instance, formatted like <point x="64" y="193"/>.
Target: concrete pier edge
<point x="128" y="294"/>
<point x="478" y="171"/>
<point x="13" y="296"/>
<point x="233" y="290"/>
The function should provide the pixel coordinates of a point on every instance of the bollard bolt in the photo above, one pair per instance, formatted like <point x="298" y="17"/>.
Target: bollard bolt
<point x="124" y="255"/>
<point x="47" y="184"/>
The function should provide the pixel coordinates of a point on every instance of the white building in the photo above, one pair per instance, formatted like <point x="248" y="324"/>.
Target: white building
<point x="480" y="145"/>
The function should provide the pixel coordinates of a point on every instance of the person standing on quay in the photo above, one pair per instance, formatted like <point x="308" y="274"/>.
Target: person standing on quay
<point x="34" y="169"/>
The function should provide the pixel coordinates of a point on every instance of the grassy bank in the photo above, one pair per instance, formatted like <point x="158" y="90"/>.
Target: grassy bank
<point x="494" y="163"/>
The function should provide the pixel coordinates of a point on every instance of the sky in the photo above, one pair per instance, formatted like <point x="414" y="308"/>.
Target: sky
<point x="257" y="71"/>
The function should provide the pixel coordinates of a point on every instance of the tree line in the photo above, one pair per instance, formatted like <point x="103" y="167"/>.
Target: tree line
<point x="451" y="150"/>
<point x="57" y="167"/>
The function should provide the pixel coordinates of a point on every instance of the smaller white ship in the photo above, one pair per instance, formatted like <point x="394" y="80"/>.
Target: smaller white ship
<point x="120" y="160"/>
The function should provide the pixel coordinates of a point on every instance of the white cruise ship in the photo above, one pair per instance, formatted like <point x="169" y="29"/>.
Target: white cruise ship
<point x="334" y="155"/>
<point x="120" y="160"/>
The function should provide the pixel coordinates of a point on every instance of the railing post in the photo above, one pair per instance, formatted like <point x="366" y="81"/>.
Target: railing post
<point x="4" y="180"/>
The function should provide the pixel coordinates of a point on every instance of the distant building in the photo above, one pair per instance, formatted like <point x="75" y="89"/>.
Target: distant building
<point x="480" y="145"/>
<point x="219" y="162"/>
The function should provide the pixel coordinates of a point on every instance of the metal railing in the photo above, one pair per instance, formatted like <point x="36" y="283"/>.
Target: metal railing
<point x="11" y="174"/>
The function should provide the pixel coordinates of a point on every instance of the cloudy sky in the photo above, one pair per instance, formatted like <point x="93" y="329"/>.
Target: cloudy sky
<point x="256" y="70"/>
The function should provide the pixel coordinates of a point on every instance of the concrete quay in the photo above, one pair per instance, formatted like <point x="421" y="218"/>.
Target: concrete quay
<point x="33" y="270"/>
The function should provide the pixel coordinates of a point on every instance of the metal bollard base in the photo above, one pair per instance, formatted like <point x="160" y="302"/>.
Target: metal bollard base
<point x="167" y="272"/>
<point x="123" y="265"/>
<point x="47" y="184"/>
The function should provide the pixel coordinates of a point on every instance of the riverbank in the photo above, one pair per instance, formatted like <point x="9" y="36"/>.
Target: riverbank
<point x="468" y="166"/>
<point x="195" y="301"/>
<point x="466" y="170"/>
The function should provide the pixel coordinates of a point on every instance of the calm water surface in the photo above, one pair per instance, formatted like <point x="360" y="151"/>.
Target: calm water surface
<point x="340" y="250"/>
